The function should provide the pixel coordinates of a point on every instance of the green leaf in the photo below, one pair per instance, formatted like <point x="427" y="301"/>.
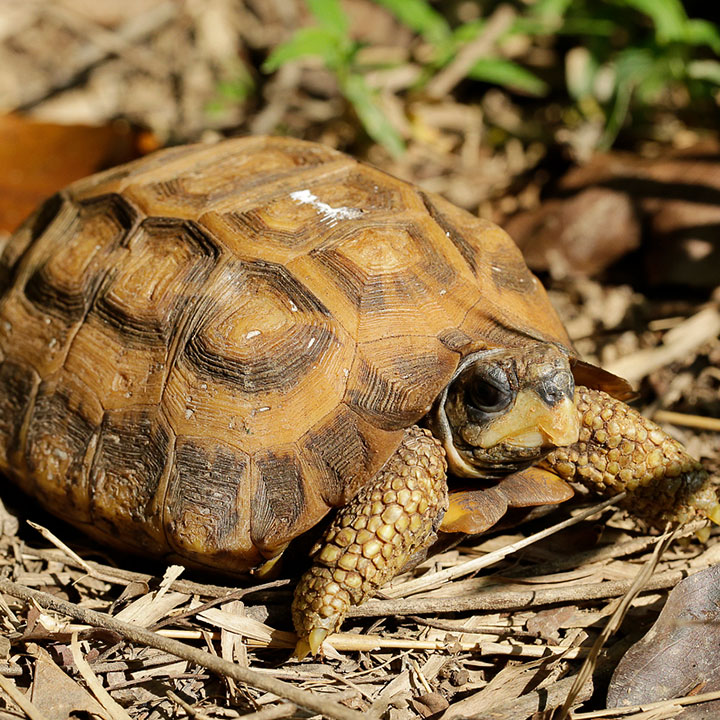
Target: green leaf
<point x="377" y="126"/>
<point x="421" y="18"/>
<point x="702" y="32"/>
<point x="330" y="16"/>
<point x="633" y="66"/>
<point x="668" y="16"/>
<point x="310" y="41"/>
<point x="550" y="9"/>
<point x="509" y="74"/>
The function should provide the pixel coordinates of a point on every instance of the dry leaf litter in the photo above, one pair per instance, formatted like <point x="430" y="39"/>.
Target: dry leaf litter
<point x="507" y="634"/>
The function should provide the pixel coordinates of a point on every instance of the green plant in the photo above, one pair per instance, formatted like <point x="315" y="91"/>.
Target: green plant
<point x="619" y="55"/>
<point x="330" y="40"/>
<point x="639" y="52"/>
<point x="447" y="42"/>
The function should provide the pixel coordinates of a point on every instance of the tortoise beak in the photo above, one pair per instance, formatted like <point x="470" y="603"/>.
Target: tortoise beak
<point x="533" y="422"/>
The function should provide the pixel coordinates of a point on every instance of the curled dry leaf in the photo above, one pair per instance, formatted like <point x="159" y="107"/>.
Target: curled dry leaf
<point x="680" y="654"/>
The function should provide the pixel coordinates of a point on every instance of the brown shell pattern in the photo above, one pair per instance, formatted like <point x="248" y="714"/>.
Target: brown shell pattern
<point x="206" y="349"/>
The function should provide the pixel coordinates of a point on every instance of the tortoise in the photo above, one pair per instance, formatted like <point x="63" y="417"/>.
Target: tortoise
<point x="206" y="350"/>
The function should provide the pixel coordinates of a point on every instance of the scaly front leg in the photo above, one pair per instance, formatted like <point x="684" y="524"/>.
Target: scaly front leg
<point x="620" y="450"/>
<point x="372" y="538"/>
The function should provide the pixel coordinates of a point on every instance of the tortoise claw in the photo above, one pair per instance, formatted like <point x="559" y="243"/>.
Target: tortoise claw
<point x="316" y="639"/>
<point x="713" y="514"/>
<point x="311" y="644"/>
<point x="302" y="649"/>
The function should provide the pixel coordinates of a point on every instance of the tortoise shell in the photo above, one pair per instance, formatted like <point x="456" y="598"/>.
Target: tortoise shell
<point x="205" y="350"/>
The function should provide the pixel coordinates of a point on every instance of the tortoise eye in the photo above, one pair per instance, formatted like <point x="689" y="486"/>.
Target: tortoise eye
<point x="485" y="398"/>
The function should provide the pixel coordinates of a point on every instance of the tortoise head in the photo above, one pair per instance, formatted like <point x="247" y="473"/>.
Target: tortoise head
<point x="505" y="409"/>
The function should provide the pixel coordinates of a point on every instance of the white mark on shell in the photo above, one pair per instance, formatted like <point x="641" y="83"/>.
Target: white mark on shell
<point x="329" y="214"/>
<point x="293" y="306"/>
<point x="252" y="334"/>
<point x="311" y="342"/>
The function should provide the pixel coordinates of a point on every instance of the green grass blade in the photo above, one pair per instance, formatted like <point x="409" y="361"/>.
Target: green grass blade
<point x="702" y="32"/>
<point x="310" y="41"/>
<point x="550" y="9"/>
<point x="668" y="16"/>
<point x="330" y="15"/>
<point x="508" y="74"/>
<point x="421" y="18"/>
<point x="377" y="126"/>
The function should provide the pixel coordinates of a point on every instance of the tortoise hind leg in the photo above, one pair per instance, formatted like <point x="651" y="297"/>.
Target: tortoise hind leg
<point x="372" y="538"/>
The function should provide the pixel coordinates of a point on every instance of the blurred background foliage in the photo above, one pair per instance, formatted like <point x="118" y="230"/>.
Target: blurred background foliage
<point x="484" y="101"/>
<point x="606" y="65"/>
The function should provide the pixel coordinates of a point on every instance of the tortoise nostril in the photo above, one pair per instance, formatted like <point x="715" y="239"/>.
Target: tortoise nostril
<point x="556" y="388"/>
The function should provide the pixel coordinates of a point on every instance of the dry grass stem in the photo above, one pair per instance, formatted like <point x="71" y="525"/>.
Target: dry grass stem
<point x="187" y="707"/>
<point x="483" y="46"/>
<point x="115" y="711"/>
<point x="513" y="599"/>
<point x="437" y="579"/>
<point x="630" y="710"/>
<point x="614" y="622"/>
<point x="685" y="420"/>
<point x="678" y="343"/>
<point x="211" y="662"/>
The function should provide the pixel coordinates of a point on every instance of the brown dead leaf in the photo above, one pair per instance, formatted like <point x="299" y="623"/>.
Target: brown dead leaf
<point x="429" y="704"/>
<point x="681" y="652"/>
<point x="39" y="159"/>
<point x="56" y="695"/>
<point x="617" y="202"/>
<point x="547" y="623"/>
